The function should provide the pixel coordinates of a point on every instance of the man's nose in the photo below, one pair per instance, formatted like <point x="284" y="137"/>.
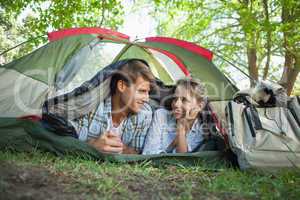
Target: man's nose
<point x="146" y="97"/>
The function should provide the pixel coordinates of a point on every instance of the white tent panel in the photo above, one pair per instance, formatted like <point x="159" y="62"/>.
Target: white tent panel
<point x="170" y="66"/>
<point x="20" y="95"/>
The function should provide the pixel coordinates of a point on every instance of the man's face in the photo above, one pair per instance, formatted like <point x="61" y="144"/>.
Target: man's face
<point x="135" y="95"/>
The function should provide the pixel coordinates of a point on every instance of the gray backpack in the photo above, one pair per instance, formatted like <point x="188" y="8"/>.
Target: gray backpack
<point x="262" y="136"/>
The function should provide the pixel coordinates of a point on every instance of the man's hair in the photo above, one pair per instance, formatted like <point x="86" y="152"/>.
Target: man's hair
<point x="129" y="72"/>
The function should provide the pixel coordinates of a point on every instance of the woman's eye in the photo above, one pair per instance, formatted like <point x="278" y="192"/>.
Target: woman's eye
<point x="185" y="99"/>
<point x="175" y="99"/>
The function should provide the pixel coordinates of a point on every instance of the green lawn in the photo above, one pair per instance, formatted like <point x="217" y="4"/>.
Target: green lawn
<point x="44" y="176"/>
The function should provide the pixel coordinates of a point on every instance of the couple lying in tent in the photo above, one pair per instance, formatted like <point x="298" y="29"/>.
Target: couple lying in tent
<point x="124" y="122"/>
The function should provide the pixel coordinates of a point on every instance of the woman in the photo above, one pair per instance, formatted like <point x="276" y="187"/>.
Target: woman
<point x="180" y="129"/>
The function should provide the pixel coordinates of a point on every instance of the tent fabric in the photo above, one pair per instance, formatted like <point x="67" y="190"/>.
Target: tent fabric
<point x="85" y="98"/>
<point x="27" y="135"/>
<point x="176" y="60"/>
<point x="72" y="66"/>
<point x="218" y="86"/>
<point x="77" y="103"/>
<point x="186" y="45"/>
<point x="172" y="69"/>
<point x="20" y="95"/>
<point x="157" y="68"/>
<point x="44" y="63"/>
<point x="58" y="35"/>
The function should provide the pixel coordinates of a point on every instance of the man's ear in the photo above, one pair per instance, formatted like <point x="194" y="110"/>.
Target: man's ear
<point x="121" y="85"/>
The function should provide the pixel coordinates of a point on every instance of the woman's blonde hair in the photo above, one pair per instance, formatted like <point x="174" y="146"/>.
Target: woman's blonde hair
<point x="195" y="86"/>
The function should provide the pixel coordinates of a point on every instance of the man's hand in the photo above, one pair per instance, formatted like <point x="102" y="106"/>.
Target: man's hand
<point x="108" y="142"/>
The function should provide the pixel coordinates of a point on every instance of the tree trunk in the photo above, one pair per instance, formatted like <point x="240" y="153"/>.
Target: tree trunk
<point x="268" y="44"/>
<point x="290" y="74"/>
<point x="250" y="37"/>
<point x="253" y="70"/>
<point x="292" y="77"/>
<point x="288" y="66"/>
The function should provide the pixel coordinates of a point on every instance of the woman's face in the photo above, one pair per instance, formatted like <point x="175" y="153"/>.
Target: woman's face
<point x="185" y="105"/>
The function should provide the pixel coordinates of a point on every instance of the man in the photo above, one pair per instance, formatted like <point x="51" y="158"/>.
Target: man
<point x="121" y="121"/>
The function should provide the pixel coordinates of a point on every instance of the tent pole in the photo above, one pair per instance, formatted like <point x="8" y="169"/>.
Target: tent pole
<point x="235" y="66"/>
<point x="122" y="52"/>
<point x="4" y="52"/>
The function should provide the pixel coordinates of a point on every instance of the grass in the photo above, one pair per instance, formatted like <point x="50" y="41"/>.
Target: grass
<point x="108" y="180"/>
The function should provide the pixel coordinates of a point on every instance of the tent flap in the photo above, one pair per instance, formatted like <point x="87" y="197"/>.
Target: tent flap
<point x="44" y="63"/>
<point x="26" y="135"/>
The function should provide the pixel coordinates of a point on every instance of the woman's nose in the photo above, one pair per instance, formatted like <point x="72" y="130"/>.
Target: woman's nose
<point x="177" y="102"/>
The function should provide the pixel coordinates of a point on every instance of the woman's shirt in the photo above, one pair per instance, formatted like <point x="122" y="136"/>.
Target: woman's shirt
<point x="162" y="132"/>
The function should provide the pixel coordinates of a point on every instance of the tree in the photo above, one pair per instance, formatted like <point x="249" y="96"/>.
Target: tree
<point x="291" y="42"/>
<point x="41" y="16"/>
<point x="248" y="32"/>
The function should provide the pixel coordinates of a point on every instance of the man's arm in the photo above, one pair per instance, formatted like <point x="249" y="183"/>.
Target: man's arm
<point x="141" y="128"/>
<point x="153" y="141"/>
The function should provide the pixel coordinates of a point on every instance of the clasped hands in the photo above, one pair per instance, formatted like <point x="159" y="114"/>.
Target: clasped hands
<point x="110" y="142"/>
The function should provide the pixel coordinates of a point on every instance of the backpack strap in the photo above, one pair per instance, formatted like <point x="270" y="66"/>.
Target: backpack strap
<point x="250" y="123"/>
<point x="250" y="112"/>
<point x="255" y="117"/>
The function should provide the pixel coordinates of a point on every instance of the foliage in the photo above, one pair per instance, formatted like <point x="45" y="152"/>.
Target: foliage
<point x="33" y="18"/>
<point x="7" y="32"/>
<point x="248" y="33"/>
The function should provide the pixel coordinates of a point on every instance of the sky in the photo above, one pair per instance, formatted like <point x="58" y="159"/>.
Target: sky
<point x="137" y="22"/>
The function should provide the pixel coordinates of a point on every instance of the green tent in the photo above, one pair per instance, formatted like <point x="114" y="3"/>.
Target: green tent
<point x="74" y="55"/>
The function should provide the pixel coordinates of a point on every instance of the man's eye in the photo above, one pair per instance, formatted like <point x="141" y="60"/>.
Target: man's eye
<point x="143" y="91"/>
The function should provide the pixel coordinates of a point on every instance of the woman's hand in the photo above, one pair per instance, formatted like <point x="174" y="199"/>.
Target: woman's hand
<point x="183" y="126"/>
<point x="180" y="142"/>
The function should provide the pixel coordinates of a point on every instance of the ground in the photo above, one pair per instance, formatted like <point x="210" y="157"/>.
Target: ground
<point x="40" y="175"/>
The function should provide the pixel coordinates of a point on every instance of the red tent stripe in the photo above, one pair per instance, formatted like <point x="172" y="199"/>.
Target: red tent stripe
<point x="219" y="126"/>
<point x="31" y="117"/>
<point x="184" y="44"/>
<point x="175" y="59"/>
<point x="57" y="35"/>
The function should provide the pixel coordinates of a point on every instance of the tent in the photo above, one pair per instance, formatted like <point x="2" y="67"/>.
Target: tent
<point x="75" y="55"/>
